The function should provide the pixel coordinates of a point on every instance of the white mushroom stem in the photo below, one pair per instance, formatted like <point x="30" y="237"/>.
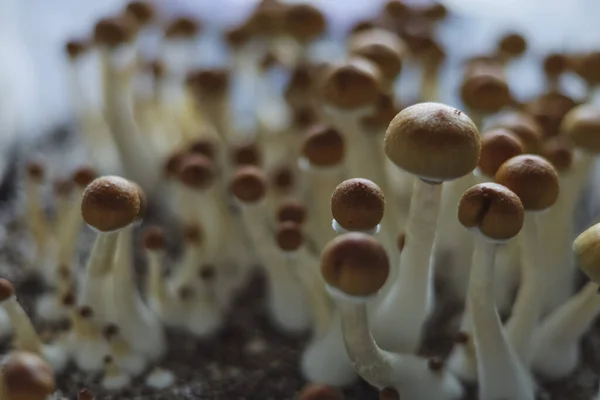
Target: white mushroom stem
<point x="193" y="256"/>
<point x="114" y="377"/>
<point x="99" y="265"/>
<point x="318" y="185"/>
<point x="125" y="357"/>
<point x="139" y="325"/>
<point x="501" y="373"/>
<point x="161" y="298"/>
<point x="69" y="232"/>
<point x="38" y="225"/>
<point x="409" y="374"/>
<point x="138" y="159"/>
<point x="86" y="342"/>
<point x="212" y="213"/>
<point x="526" y="310"/>
<point x="5" y="326"/>
<point x="404" y="308"/>
<point x="429" y="81"/>
<point x="453" y="246"/>
<point x="25" y="338"/>
<point x="556" y="351"/>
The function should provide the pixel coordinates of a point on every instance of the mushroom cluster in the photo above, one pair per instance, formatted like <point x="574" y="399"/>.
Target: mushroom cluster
<point x="365" y="211"/>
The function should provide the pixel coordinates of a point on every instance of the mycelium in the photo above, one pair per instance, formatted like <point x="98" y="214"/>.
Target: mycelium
<point x="496" y="214"/>
<point x="25" y="338"/>
<point x="26" y="376"/>
<point x="322" y="169"/>
<point x="557" y="339"/>
<point x="286" y="299"/>
<point x="535" y="181"/>
<point x="355" y="267"/>
<point x="436" y="143"/>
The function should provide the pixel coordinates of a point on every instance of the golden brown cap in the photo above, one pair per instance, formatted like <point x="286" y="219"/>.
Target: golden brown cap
<point x="357" y="205"/>
<point x="209" y="82"/>
<point x="84" y="176"/>
<point x="559" y="152"/>
<point x="582" y="126"/>
<point x="418" y="37"/>
<point x="587" y="250"/>
<point x="110" y="203"/>
<point x="36" y="170"/>
<point x="588" y="67"/>
<point x="249" y="184"/>
<point x="397" y="9"/>
<point x="361" y="26"/>
<point x="384" y="48"/>
<point x="485" y="90"/>
<point x="142" y="11"/>
<point x="154" y="238"/>
<point x="246" y="153"/>
<point x="323" y="146"/>
<point x="289" y="236"/>
<point x="433" y="141"/>
<point x="113" y="32"/>
<point x="532" y="178"/>
<point x="512" y="44"/>
<point x="356" y="264"/>
<point x="237" y="36"/>
<point x="282" y="179"/>
<point x="303" y="117"/>
<point x="183" y="27"/>
<point x="315" y="391"/>
<point x="172" y="163"/>
<point x="26" y="376"/>
<point x="7" y="289"/>
<point x="434" y="11"/>
<point x="522" y="125"/>
<point x="268" y="19"/>
<point x="384" y="113"/>
<point x="549" y="110"/>
<point x="300" y="85"/>
<point x="292" y="211"/>
<point x="352" y="85"/>
<point x="196" y="171"/>
<point x="493" y="209"/>
<point x="204" y="147"/>
<point x="304" y="21"/>
<point x="85" y="394"/>
<point x="76" y="48"/>
<point x="389" y="394"/>
<point x="497" y="146"/>
<point x="555" y="64"/>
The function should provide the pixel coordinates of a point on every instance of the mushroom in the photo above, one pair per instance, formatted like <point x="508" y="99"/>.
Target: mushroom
<point x="436" y="143"/>
<point x="355" y="267"/>
<point x="511" y="45"/>
<point x="122" y="352"/>
<point x="210" y="88"/>
<point x="554" y="66"/>
<point x="496" y="214"/>
<point x="114" y="378"/>
<point x="535" y="181"/>
<point x="26" y="376"/>
<point x="523" y="126"/>
<point x="357" y="205"/>
<point x="25" y="338"/>
<point x="85" y="339"/>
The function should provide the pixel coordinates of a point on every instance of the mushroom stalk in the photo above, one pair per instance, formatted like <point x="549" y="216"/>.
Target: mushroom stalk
<point x="399" y="318"/>
<point x="25" y="336"/>
<point x="160" y="297"/>
<point x="501" y="373"/>
<point x="556" y="351"/>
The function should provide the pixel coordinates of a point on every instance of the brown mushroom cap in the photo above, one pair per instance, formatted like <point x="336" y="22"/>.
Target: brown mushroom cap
<point x="588" y="67"/>
<point x="113" y="32"/>
<point x="512" y="44"/>
<point x="582" y="126"/>
<point x="196" y="171"/>
<point x="323" y="146"/>
<point x="110" y="203"/>
<point x="524" y="126"/>
<point x="172" y="164"/>
<point x="587" y="249"/>
<point x="299" y="87"/>
<point x="315" y="391"/>
<point x="497" y="146"/>
<point x="246" y="153"/>
<point x="292" y="211"/>
<point x="142" y="11"/>
<point x="209" y="82"/>
<point x="493" y="209"/>
<point x="289" y="236"/>
<point x="353" y="85"/>
<point x="183" y="27"/>
<point x="7" y="289"/>
<point x="26" y="376"/>
<point x="204" y="147"/>
<point x="559" y="152"/>
<point x="84" y="176"/>
<point x="555" y="64"/>
<point x="384" y="113"/>
<point x="304" y="22"/>
<point x="249" y="184"/>
<point x="485" y="89"/>
<point x="76" y="48"/>
<point x="355" y="263"/>
<point x="384" y="48"/>
<point x="531" y="178"/>
<point x="549" y="110"/>
<point x="154" y="238"/>
<point x="433" y="141"/>
<point x="282" y="179"/>
<point x="357" y="204"/>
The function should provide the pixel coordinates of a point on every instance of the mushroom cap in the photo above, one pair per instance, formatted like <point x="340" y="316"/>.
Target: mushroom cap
<point x="26" y="376"/>
<point x="84" y="176"/>
<point x="299" y="86"/>
<point x="524" y="126"/>
<point x="493" y="209"/>
<point x="110" y="203"/>
<point x="315" y="391"/>
<point x="512" y="44"/>
<point x="497" y="146"/>
<point x="36" y="170"/>
<point x="433" y="141"/>
<point x="172" y="163"/>
<point x="352" y="85"/>
<point x="196" y="171"/>
<point x="142" y="11"/>
<point x="397" y="9"/>
<point x="304" y="21"/>
<point x="324" y="146"/>
<point x="355" y="263"/>
<point x="282" y="178"/>
<point x="209" y="82"/>
<point x="384" y="113"/>
<point x="193" y="233"/>
<point x="182" y="27"/>
<point x="559" y="152"/>
<point x="204" y="147"/>
<point x="246" y="153"/>
<point x="293" y="211"/>
<point x="7" y="290"/>
<point x="588" y="67"/>
<point x="587" y="250"/>
<point x="485" y="90"/>
<point x="237" y="36"/>
<point x="249" y="184"/>
<point x="289" y="236"/>
<point x="154" y="238"/>
<point x="531" y="178"/>
<point x="382" y="47"/>
<point x="582" y="126"/>
<point x="357" y="204"/>
<point x="113" y="32"/>
<point x="555" y="64"/>
<point x="75" y="48"/>
<point x="549" y="109"/>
